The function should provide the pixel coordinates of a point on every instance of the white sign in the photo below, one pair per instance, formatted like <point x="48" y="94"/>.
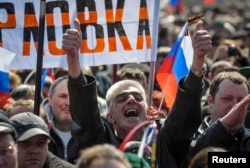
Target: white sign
<point x="114" y="31"/>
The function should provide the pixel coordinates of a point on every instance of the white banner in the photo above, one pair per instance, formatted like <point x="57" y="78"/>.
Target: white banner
<point x="114" y="31"/>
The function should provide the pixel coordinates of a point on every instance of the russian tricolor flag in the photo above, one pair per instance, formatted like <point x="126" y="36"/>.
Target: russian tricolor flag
<point x="176" y="65"/>
<point x="6" y="58"/>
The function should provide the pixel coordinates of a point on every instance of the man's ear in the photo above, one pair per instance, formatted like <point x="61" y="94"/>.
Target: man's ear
<point x="210" y="99"/>
<point x="110" y="118"/>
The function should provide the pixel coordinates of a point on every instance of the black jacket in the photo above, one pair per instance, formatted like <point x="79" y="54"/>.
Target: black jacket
<point x="217" y="136"/>
<point x="185" y="117"/>
<point x="53" y="161"/>
<point x="85" y="112"/>
<point x="57" y="148"/>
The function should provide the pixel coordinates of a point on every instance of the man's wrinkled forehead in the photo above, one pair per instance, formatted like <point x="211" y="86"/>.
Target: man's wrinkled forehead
<point x="129" y="90"/>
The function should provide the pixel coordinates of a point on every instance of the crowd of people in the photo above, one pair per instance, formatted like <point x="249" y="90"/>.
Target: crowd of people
<point x="84" y="118"/>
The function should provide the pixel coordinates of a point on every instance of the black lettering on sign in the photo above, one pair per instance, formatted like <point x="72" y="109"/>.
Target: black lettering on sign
<point x="143" y="29"/>
<point x="30" y="28"/>
<point x="51" y="30"/>
<point x="115" y="23"/>
<point x="10" y="20"/>
<point x="87" y="15"/>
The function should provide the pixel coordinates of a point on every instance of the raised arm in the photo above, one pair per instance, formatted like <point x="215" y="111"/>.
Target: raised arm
<point x="202" y="44"/>
<point x="185" y="116"/>
<point x="71" y="43"/>
<point x="223" y="132"/>
<point x="82" y="93"/>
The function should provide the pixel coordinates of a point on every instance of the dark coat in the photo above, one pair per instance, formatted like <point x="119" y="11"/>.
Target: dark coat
<point x="56" y="147"/>
<point x="217" y="136"/>
<point x="85" y="112"/>
<point x="185" y="117"/>
<point x="53" y="161"/>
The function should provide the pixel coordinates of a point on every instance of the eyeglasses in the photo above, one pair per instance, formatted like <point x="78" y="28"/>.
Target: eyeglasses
<point x="6" y="152"/>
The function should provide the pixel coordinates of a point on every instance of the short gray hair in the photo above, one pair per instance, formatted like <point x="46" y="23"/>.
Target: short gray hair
<point x="121" y="85"/>
<point x="55" y="83"/>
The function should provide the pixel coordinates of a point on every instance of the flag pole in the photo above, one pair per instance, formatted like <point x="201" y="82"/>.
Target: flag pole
<point x="39" y="64"/>
<point x="153" y="52"/>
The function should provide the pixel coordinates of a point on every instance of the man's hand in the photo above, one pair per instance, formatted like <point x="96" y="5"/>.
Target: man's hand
<point x="234" y="120"/>
<point x="202" y="44"/>
<point x="72" y="40"/>
<point x="153" y="114"/>
<point x="71" y="44"/>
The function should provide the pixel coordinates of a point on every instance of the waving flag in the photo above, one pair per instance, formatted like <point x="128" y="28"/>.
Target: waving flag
<point x="176" y="65"/>
<point x="6" y="58"/>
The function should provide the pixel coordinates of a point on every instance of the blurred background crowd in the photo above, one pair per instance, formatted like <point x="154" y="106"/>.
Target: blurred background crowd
<point x="228" y="22"/>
